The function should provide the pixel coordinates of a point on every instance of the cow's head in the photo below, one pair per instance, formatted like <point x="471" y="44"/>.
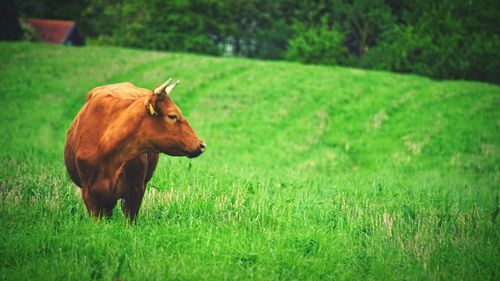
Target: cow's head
<point x="169" y="132"/>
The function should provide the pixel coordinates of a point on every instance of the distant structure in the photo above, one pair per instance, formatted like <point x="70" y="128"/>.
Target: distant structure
<point x="56" y="31"/>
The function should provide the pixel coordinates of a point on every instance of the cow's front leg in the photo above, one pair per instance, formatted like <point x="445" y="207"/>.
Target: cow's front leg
<point x="132" y="203"/>
<point x="90" y="202"/>
<point x="99" y="199"/>
<point x="107" y="211"/>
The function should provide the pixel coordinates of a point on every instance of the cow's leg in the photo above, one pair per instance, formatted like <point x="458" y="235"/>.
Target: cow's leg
<point x="105" y="198"/>
<point x="132" y="182"/>
<point x="95" y="208"/>
<point x="148" y="162"/>
<point x="90" y="202"/>
<point x="99" y="199"/>
<point x="132" y="203"/>
<point x="107" y="211"/>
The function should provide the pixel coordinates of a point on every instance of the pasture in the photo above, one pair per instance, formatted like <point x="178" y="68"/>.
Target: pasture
<point x="310" y="173"/>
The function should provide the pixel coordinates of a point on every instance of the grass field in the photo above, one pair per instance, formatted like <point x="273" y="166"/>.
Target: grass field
<point x="310" y="173"/>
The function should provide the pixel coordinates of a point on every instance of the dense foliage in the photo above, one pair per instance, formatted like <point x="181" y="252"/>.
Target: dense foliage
<point x="441" y="39"/>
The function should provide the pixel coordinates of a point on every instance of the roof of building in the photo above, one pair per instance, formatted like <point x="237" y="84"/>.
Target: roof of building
<point x="52" y="31"/>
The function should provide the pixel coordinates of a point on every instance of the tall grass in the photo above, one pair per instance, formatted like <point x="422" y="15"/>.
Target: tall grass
<point x="311" y="173"/>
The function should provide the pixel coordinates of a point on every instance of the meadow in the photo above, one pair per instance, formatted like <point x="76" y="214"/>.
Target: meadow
<point x="311" y="173"/>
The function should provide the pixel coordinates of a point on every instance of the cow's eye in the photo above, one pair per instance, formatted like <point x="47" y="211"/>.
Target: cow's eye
<point x="173" y="116"/>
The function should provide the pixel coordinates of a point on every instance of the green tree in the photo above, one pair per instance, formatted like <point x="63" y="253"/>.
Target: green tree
<point x="321" y="45"/>
<point x="154" y="24"/>
<point x="441" y="39"/>
<point x="363" y="21"/>
<point x="441" y="43"/>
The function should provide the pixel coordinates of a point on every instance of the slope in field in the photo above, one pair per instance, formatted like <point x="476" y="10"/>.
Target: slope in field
<point x="264" y="116"/>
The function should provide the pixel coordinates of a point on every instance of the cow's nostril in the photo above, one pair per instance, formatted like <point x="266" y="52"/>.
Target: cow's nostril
<point x="203" y="146"/>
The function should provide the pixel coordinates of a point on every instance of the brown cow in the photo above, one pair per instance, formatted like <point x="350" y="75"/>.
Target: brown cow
<point x="113" y="144"/>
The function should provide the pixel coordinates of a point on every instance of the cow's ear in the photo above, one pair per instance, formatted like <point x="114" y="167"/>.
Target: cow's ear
<point x="151" y="105"/>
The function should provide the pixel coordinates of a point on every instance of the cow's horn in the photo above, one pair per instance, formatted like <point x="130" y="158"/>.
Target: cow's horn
<point x="159" y="90"/>
<point x="170" y="88"/>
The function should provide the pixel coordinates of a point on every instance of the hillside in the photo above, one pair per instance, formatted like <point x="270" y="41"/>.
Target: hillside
<point x="310" y="172"/>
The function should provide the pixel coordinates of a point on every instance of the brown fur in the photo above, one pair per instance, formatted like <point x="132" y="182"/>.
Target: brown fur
<point x="113" y="145"/>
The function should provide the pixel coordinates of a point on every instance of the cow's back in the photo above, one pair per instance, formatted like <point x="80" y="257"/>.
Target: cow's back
<point x="124" y="90"/>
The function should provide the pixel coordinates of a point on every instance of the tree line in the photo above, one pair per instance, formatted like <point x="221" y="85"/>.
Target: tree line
<point x="446" y="39"/>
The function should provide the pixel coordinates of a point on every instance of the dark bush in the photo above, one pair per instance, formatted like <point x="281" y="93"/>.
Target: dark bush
<point x="10" y="29"/>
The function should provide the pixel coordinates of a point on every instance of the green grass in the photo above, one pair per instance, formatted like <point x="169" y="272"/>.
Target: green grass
<point x="311" y="173"/>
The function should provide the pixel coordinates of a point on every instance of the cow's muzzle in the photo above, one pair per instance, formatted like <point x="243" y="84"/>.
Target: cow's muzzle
<point x="199" y="150"/>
